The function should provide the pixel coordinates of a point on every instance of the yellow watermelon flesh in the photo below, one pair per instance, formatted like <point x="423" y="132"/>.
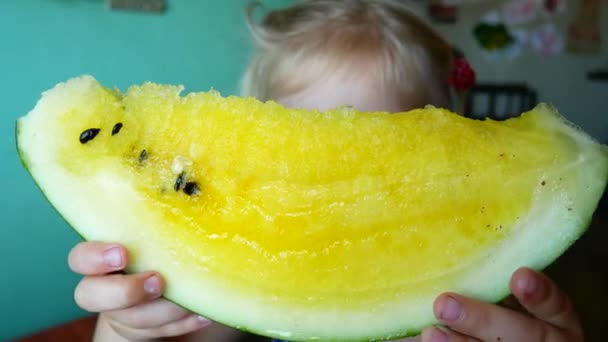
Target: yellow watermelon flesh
<point x="305" y="225"/>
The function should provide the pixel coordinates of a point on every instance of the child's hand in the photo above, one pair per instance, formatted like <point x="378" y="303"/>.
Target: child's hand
<point x="129" y="304"/>
<point x="551" y="315"/>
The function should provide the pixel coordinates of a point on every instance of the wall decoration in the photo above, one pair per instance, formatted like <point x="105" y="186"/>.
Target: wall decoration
<point x="443" y="11"/>
<point x="497" y="40"/>
<point x="584" y="35"/>
<point x="519" y="43"/>
<point x="547" y="41"/>
<point x="516" y="12"/>
<point x="513" y="50"/>
<point x="550" y="8"/>
<point x="493" y="36"/>
<point x="491" y="17"/>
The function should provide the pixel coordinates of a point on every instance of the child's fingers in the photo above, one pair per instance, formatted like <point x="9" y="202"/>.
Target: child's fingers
<point x="543" y="299"/>
<point x="434" y="334"/>
<point x="182" y="326"/>
<point x="489" y="322"/>
<point x="148" y="315"/>
<point x="94" y="258"/>
<point x="113" y="292"/>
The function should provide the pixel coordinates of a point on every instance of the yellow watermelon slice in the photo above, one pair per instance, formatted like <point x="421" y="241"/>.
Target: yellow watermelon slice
<point x="304" y="225"/>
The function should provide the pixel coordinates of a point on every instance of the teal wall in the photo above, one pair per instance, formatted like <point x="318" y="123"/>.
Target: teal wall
<point x="200" y="44"/>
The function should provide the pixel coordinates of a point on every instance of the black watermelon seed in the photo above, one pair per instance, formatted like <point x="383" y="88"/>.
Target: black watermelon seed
<point x="143" y="156"/>
<point x="116" y="128"/>
<point x="178" y="182"/>
<point x="88" y="135"/>
<point x="191" y="188"/>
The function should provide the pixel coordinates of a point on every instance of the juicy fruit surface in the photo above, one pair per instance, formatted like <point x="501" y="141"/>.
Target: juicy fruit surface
<point x="297" y="221"/>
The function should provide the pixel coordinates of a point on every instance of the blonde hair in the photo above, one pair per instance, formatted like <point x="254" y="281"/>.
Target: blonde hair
<point x="297" y="46"/>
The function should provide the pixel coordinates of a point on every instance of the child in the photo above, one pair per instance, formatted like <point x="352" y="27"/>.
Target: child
<point x="373" y="55"/>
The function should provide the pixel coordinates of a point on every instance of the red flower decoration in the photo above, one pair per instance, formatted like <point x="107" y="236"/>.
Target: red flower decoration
<point x="463" y="76"/>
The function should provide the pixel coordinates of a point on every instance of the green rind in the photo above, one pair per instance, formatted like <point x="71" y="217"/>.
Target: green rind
<point x="24" y="161"/>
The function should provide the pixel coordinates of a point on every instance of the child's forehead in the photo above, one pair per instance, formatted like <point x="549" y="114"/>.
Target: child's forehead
<point x="360" y="88"/>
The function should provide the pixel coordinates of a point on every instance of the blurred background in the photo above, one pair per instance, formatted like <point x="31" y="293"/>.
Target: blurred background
<point x="547" y="50"/>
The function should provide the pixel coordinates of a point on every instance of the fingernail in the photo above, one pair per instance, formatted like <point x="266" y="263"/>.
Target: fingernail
<point x="527" y="284"/>
<point x="112" y="257"/>
<point x="450" y="309"/>
<point x="203" y="321"/>
<point x="438" y="336"/>
<point x="152" y="285"/>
